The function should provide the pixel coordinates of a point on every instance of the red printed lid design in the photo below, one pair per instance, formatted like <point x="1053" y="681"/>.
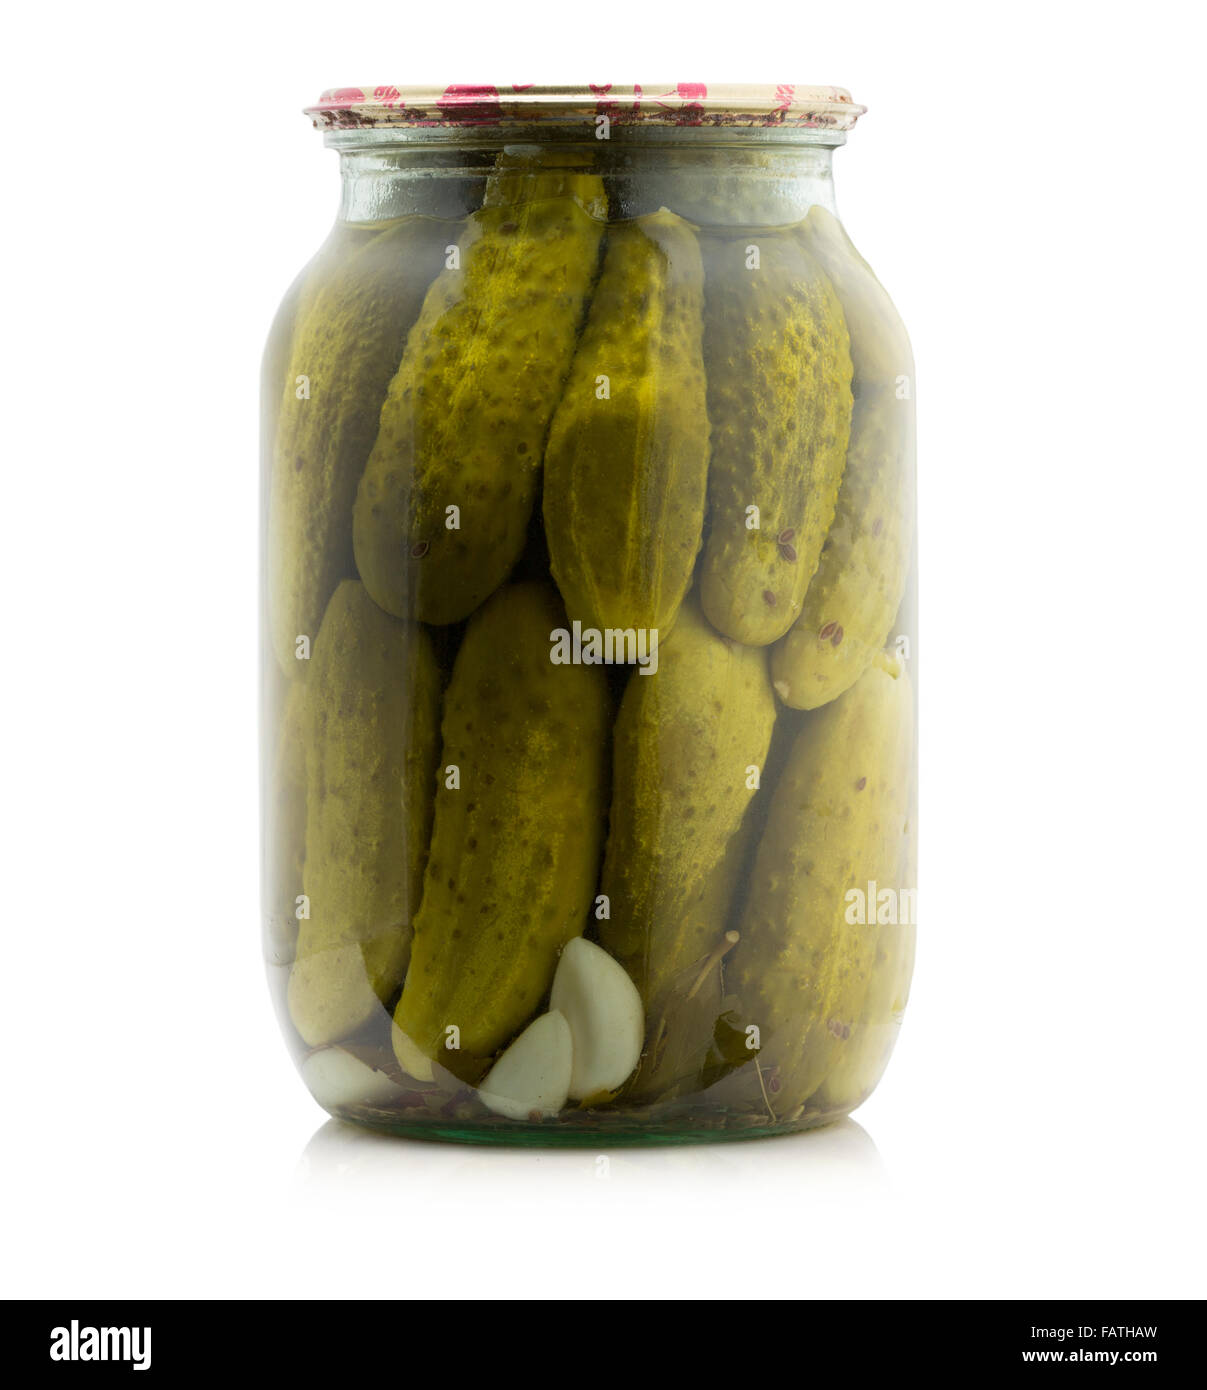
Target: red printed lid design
<point x="650" y="103"/>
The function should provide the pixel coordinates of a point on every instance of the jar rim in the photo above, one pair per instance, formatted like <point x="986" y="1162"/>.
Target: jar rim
<point x="782" y="105"/>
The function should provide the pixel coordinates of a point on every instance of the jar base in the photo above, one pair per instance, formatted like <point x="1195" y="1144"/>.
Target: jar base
<point x="591" y="1132"/>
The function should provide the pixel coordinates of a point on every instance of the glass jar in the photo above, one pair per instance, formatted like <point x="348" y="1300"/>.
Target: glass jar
<point x="588" y="615"/>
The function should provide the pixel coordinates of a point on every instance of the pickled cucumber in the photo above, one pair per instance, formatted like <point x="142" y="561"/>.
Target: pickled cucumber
<point x="518" y="830"/>
<point x="371" y="722"/>
<point x="866" y="1053"/>
<point x="527" y="174"/>
<point x="443" y="506"/>
<point x="285" y="826"/>
<point x="836" y="823"/>
<point x="351" y="326"/>
<point x="627" y="462"/>
<point x="854" y="596"/>
<point x="726" y="187"/>
<point x="880" y="350"/>
<point x="650" y="393"/>
<point x="691" y="743"/>
<point x="682" y="1050"/>
<point x="778" y="360"/>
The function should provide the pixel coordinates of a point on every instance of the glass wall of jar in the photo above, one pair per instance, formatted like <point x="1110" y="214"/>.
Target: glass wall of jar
<point x="589" y="664"/>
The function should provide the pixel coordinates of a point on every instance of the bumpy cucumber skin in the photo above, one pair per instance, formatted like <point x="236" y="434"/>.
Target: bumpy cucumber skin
<point x="880" y="350"/>
<point x="285" y="826"/>
<point x="779" y="399"/>
<point x="853" y="598"/>
<point x="626" y="476"/>
<point x="348" y="337"/>
<point x="837" y="820"/>
<point x="865" y="1056"/>
<point x="371" y="717"/>
<point x="685" y="1005"/>
<point x="684" y="740"/>
<point x="528" y="174"/>
<point x="515" y="849"/>
<point x="465" y="420"/>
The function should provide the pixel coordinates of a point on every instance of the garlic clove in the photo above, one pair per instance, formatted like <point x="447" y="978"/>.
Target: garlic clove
<point x="532" y="1078"/>
<point x="337" y="1079"/>
<point x="606" y="1019"/>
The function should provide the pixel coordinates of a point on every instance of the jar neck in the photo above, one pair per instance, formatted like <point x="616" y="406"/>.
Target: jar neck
<point x="708" y="179"/>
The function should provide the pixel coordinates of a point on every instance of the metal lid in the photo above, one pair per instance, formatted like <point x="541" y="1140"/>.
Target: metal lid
<point x="647" y="103"/>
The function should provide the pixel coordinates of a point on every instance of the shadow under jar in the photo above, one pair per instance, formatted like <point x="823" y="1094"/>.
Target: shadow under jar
<point x="589" y="666"/>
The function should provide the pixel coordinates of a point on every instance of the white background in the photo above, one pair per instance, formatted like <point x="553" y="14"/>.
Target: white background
<point x="1027" y="183"/>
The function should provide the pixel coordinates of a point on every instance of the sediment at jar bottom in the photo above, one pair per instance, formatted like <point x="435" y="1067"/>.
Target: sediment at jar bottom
<point x="443" y="506"/>
<point x="691" y="744"/>
<point x="853" y="597"/>
<point x="354" y="313"/>
<point x="836" y="823"/>
<point x="777" y="356"/>
<point x="518" y="831"/>
<point x="371" y="730"/>
<point x="626" y="467"/>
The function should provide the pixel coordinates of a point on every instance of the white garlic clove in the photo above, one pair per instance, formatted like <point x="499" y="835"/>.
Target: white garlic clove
<point x="532" y="1078"/>
<point x="336" y="1078"/>
<point x="604" y="1012"/>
